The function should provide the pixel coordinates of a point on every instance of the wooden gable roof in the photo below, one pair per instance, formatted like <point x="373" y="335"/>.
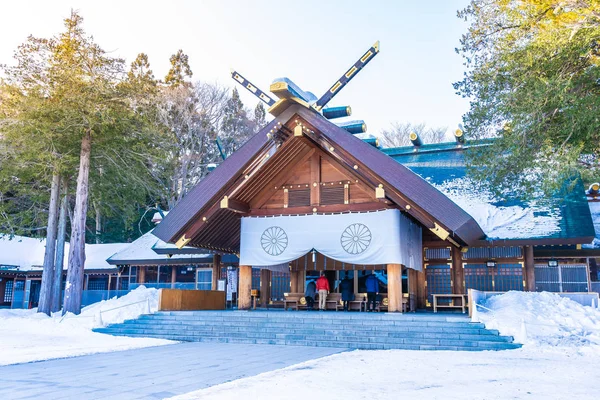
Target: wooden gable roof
<point x="209" y="216"/>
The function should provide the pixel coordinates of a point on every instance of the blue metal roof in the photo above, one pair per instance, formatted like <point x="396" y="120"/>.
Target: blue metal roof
<point x="445" y="162"/>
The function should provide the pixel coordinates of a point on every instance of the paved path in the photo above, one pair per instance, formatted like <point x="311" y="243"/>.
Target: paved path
<point x="149" y="373"/>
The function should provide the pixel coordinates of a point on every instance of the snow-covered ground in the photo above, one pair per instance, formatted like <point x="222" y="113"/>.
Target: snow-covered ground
<point x="560" y="360"/>
<point x="26" y="335"/>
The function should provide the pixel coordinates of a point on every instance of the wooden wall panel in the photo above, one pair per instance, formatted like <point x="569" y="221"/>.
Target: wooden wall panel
<point x="357" y="195"/>
<point x="188" y="300"/>
<point x="301" y="174"/>
<point x="331" y="174"/>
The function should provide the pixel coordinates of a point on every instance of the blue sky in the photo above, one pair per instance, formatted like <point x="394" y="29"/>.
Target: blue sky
<point x="311" y="42"/>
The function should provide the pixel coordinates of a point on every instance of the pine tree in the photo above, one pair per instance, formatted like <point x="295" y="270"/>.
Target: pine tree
<point x="236" y="127"/>
<point x="67" y="97"/>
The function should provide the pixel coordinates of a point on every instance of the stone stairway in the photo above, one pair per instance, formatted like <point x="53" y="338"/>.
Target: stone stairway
<point x="353" y="330"/>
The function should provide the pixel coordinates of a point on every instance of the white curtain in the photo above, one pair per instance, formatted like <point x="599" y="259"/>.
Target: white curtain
<point x="382" y="237"/>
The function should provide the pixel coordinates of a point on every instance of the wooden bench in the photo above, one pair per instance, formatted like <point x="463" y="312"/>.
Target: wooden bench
<point x="359" y="303"/>
<point x="333" y="301"/>
<point x="383" y="304"/>
<point x="293" y="300"/>
<point x="452" y="297"/>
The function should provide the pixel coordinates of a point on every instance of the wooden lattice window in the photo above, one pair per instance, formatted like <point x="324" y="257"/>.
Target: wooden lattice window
<point x="332" y="195"/>
<point x="299" y="197"/>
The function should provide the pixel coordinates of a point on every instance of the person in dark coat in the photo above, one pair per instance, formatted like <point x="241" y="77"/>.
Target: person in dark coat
<point x="372" y="284"/>
<point x="309" y="294"/>
<point x="347" y="290"/>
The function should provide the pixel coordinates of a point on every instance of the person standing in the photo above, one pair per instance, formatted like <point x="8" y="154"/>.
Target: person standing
<point x="347" y="289"/>
<point x="372" y="284"/>
<point x="309" y="294"/>
<point x="323" y="288"/>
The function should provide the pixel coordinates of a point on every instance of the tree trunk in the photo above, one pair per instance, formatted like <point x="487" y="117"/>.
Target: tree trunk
<point x="45" y="303"/>
<point x="60" y="248"/>
<point x="98" y="223"/>
<point x="74" y="286"/>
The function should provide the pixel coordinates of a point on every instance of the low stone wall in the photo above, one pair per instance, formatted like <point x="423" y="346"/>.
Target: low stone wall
<point x="189" y="300"/>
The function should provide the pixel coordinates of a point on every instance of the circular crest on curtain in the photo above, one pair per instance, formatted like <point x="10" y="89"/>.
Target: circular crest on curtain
<point x="356" y="238"/>
<point x="274" y="240"/>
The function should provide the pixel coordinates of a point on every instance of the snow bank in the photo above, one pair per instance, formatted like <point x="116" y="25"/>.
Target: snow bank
<point x="26" y="335"/>
<point x="500" y="222"/>
<point x="543" y="320"/>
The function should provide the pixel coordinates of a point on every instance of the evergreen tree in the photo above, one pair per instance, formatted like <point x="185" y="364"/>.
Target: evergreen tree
<point x="180" y="69"/>
<point x="260" y="117"/>
<point x="236" y="127"/>
<point x="533" y="73"/>
<point x="67" y="97"/>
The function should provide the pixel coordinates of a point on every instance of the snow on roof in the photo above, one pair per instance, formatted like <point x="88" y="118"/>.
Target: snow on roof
<point x="595" y="211"/>
<point x="27" y="254"/>
<point x="142" y="249"/>
<point x="501" y="222"/>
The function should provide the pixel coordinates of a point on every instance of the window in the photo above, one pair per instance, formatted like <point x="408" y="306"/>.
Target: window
<point x="204" y="279"/>
<point x="8" y="292"/>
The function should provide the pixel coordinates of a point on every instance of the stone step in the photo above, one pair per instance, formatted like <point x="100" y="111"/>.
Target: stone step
<point x="346" y="330"/>
<point x="312" y="315"/>
<point x="285" y="323"/>
<point x="340" y="336"/>
<point x="298" y="341"/>
<point x="391" y="332"/>
<point x="364" y="329"/>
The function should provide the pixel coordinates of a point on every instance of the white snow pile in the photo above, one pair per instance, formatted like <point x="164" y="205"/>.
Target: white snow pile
<point x="542" y="320"/>
<point x="499" y="222"/>
<point x="26" y="335"/>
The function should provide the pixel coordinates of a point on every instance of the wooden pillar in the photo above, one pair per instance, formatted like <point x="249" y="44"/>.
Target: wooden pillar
<point x="421" y="289"/>
<point x="301" y="282"/>
<point x="265" y="287"/>
<point x="394" y="272"/>
<point x="458" y="273"/>
<point x="412" y="289"/>
<point x="108" y="288"/>
<point x="141" y="275"/>
<point x="216" y="270"/>
<point x="315" y="180"/>
<point x="529" y="269"/>
<point x="86" y="281"/>
<point x="245" y="288"/>
<point x="293" y="281"/>
<point x="173" y="276"/>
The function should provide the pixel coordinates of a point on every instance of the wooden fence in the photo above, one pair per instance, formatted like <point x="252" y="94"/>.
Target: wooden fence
<point x="189" y="300"/>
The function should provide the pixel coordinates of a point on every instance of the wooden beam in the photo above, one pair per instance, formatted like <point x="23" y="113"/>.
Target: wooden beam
<point x="458" y="273"/>
<point x="315" y="180"/>
<point x="413" y="288"/>
<point x="394" y="273"/>
<point x="265" y="287"/>
<point x="245" y="288"/>
<point x="529" y="269"/>
<point x="333" y="208"/>
<point x="294" y="281"/>
<point x="141" y="274"/>
<point x="173" y="276"/>
<point x="216" y="271"/>
<point x="234" y="205"/>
